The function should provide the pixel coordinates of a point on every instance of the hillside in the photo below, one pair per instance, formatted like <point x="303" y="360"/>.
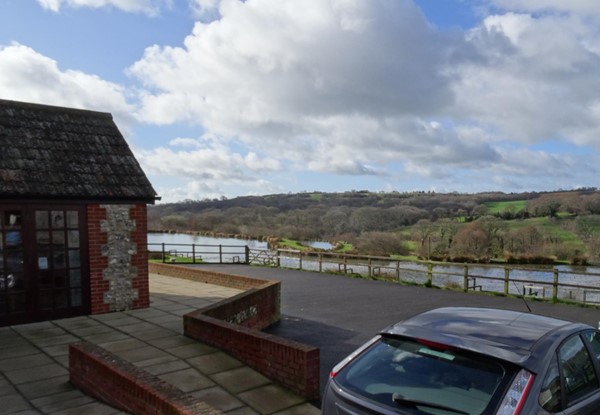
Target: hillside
<point x="563" y="225"/>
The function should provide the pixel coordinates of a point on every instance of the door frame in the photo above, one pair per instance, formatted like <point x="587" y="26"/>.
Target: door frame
<point x="33" y="311"/>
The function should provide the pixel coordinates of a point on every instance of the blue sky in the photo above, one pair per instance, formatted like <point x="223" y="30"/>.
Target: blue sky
<point x="231" y="98"/>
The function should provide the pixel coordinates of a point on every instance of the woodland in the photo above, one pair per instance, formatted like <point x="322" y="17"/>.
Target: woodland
<point x="534" y="227"/>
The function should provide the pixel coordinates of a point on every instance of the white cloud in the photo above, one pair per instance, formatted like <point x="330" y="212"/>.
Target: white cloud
<point x="208" y="161"/>
<point x="583" y="7"/>
<point x="205" y="9"/>
<point x="26" y="75"/>
<point x="538" y="80"/>
<point x="148" y="7"/>
<point x="353" y="87"/>
<point x="336" y="87"/>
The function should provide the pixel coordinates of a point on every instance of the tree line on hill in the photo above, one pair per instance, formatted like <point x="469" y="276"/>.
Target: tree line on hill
<point x="518" y="227"/>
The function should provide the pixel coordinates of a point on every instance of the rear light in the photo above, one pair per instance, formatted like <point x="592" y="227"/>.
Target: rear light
<point x="517" y="393"/>
<point x="435" y="345"/>
<point x="336" y="369"/>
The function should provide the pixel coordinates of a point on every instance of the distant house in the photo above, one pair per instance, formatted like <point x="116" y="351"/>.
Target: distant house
<point x="72" y="215"/>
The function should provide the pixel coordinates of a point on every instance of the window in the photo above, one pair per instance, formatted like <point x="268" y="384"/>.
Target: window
<point x="577" y="369"/>
<point x="427" y="375"/>
<point x="12" y="284"/>
<point x="59" y="258"/>
<point x="594" y="338"/>
<point x="550" y="395"/>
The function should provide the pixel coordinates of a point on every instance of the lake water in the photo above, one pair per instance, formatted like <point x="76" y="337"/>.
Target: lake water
<point x="207" y="247"/>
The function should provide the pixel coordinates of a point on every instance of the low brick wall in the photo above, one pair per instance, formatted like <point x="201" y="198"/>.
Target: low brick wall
<point x="106" y="377"/>
<point x="234" y="325"/>
<point x="289" y="363"/>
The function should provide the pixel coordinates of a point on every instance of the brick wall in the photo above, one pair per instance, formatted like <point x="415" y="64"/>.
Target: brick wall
<point x="98" y="262"/>
<point x="118" y="283"/>
<point x="234" y="325"/>
<point x="126" y="387"/>
<point x="289" y="363"/>
<point x="139" y="236"/>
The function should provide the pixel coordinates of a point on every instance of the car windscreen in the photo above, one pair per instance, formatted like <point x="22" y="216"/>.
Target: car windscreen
<point x="425" y="377"/>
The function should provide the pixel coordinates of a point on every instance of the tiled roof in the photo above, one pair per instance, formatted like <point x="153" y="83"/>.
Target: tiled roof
<point x="64" y="153"/>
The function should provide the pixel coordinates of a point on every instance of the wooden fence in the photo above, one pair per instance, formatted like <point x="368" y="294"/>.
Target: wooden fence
<point x="549" y="283"/>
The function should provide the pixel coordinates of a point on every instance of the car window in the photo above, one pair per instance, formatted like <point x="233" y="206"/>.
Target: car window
<point x="418" y="372"/>
<point x="577" y="368"/>
<point x="550" y="395"/>
<point x="594" y="338"/>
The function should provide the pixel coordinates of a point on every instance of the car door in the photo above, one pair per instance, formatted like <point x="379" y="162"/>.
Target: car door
<point x="572" y="385"/>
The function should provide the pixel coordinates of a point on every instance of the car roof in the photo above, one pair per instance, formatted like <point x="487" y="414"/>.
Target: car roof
<point x="508" y="335"/>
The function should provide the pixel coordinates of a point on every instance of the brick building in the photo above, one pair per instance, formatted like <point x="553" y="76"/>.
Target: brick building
<point x="72" y="215"/>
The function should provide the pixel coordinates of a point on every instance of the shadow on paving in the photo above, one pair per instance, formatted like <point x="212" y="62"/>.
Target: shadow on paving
<point x="334" y="343"/>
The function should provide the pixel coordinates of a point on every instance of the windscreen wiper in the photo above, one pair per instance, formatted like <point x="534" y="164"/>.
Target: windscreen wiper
<point x="413" y="403"/>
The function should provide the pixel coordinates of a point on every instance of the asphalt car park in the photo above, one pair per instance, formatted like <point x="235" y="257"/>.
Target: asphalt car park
<point x="338" y="313"/>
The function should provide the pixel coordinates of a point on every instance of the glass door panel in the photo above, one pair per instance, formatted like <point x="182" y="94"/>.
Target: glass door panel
<point x="59" y="258"/>
<point x="12" y="264"/>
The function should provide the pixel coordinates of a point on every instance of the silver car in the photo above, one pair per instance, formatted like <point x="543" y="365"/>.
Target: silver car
<point x="471" y="361"/>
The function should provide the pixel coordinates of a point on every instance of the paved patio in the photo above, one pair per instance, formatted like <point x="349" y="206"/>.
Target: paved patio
<point x="34" y="376"/>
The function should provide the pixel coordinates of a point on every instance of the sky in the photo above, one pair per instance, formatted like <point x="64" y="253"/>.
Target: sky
<point x="227" y="98"/>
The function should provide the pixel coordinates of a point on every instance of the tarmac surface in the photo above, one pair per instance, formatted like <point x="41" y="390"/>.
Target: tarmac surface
<point x="34" y="375"/>
<point x="338" y="313"/>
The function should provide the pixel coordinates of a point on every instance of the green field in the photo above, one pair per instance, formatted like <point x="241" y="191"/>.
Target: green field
<point x="499" y="207"/>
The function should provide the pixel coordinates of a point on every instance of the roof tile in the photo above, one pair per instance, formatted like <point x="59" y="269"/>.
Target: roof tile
<point x="66" y="153"/>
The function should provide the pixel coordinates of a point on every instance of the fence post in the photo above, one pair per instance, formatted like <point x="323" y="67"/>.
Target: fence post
<point x="164" y="258"/>
<point x="429" y="274"/>
<point x="247" y="253"/>
<point x="193" y="253"/>
<point x="506" y="279"/>
<point x="555" y="286"/>
<point x="370" y="273"/>
<point x="220" y="254"/>
<point x="345" y="264"/>
<point x="466" y="278"/>
<point x="300" y="260"/>
<point x="398" y="270"/>
<point x="320" y="262"/>
<point x="278" y="259"/>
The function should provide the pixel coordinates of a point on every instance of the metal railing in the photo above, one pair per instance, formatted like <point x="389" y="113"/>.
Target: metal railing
<point x="196" y="253"/>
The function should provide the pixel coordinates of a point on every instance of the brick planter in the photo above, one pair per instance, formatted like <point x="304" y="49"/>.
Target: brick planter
<point x="234" y="325"/>
<point x="126" y="387"/>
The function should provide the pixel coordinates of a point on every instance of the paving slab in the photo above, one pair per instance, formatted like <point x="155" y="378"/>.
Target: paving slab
<point x="303" y="409"/>
<point x="171" y="342"/>
<point x="270" y="399"/>
<point x="32" y="374"/>
<point x="15" y="403"/>
<point x="165" y="367"/>
<point x="187" y="351"/>
<point x="188" y="380"/>
<point x="62" y="401"/>
<point x="106" y="337"/>
<point x="18" y="351"/>
<point x="25" y="362"/>
<point x="141" y="354"/>
<point x="214" y="362"/>
<point x="45" y="387"/>
<point x="246" y="410"/>
<point x="240" y="379"/>
<point x="219" y="398"/>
